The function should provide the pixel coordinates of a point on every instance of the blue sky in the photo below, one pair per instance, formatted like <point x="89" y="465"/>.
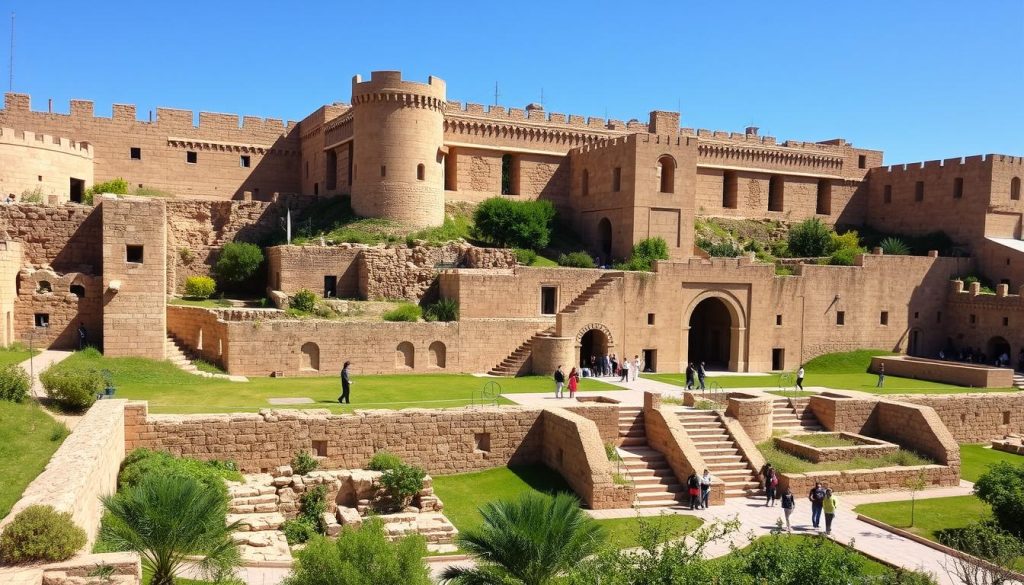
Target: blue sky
<point x="918" y="79"/>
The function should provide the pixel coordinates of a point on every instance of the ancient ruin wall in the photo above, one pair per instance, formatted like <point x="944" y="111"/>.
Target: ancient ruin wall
<point x="975" y="418"/>
<point x="66" y="237"/>
<point x="10" y="264"/>
<point x="573" y="447"/>
<point x="40" y="164"/>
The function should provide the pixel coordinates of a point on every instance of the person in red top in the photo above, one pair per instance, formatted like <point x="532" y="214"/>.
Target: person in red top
<point x="574" y="381"/>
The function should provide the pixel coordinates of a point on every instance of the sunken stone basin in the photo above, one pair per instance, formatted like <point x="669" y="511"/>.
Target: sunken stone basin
<point x="824" y="447"/>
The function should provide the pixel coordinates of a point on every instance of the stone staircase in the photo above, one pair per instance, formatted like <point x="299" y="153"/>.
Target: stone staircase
<point x="793" y="415"/>
<point x="1018" y="380"/>
<point x="179" y="355"/>
<point x="592" y="291"/>
<point x="718" y="449"/>
<point x="653" y="479"/>
<point x="515" y="362"/>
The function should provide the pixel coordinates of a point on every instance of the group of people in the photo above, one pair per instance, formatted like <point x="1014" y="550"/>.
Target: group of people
<point x="10" y="199"/>
<point x="573" y="381"/>
<point x="700" y="372"/>
<point x="698" y="487"/>
<point x="976" y="356"/>
<point x="823" y="501"/>
<point x="610" y="365"/>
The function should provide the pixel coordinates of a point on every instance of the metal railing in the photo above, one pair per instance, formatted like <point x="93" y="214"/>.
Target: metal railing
<point x="486" y="396"/>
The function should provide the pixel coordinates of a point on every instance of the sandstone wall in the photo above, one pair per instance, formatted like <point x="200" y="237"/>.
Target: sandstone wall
<point x="46" y="293"/>
<point x="980" y="321"/>
<point x="961" y="374"/>
<point x="918" y="428"/>
<point x="485" y="294"/>
<point x="202" y="331"/>
<point x="573" y="447"/>
<point x="975" y="418"/>
<point x="410" y="273"/>
<point x="42" y="164"/>
<point x="10" y="263"/>
<point x="66" y="237"/>
<point x="293" y="268"/>
<point x="753" y="413"/>
<point x="880" y="479"/>
<point x="83" y="469"/>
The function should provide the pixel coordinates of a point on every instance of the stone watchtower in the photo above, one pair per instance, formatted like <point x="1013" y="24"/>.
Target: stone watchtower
<point x="398" y="135"/>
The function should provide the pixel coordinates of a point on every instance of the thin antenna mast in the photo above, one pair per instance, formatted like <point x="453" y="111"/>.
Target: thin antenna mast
<point x="542" y="97"/>
<point x="496" y="94"/>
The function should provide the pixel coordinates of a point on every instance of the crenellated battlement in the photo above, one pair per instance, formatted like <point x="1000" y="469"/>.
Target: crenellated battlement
<point x="45" y="141"/>
<point x="1003" y="298"/>
<point x="966" y="163"/>
<point x="388" y="86"/>
<point x="166" y="118"/>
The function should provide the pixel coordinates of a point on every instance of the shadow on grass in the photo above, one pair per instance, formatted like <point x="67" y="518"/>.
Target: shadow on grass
<point x="541" y="478"/>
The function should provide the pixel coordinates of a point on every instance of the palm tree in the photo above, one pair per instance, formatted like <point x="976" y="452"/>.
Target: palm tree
<point x="527" y="541"/>
<point x="167" y="519"/>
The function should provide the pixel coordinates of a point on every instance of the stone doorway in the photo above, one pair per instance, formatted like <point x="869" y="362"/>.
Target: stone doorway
<point x="593" y="343"/>
<point x="710" y="333"/>
<point x="996" y="347"/>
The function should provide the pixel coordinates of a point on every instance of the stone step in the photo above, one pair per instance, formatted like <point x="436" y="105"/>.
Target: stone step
<point x="657" y="489"/>
<point x="632" y="441"/>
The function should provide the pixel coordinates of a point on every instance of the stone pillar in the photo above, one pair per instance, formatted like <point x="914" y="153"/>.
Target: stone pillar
<point x="551" y="352"/>
<point x="754" y="414"/>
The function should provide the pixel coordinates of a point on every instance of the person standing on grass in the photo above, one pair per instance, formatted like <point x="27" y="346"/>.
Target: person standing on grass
<point x="705" y="489"/>
<point x="817" y="497"/>
<point x="881" y="376"/>
<point x="689" y="376"/>
<point x="346" y="384"/>
<point x="559" y="382"/>
<point x="701" y="374"/>
<point x="625" y="369"/>
<point x="788" y="505"/>
<point x="574" y="381"/>
<point x="800" y="378"/>
<point x="829" y="505"/>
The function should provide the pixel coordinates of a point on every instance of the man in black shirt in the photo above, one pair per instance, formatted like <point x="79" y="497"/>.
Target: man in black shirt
<point x="346" y="383"/>
<point x="817" y="497"/>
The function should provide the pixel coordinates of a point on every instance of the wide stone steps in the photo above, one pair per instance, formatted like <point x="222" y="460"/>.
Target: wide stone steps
<point x="794" y="415"/>
<point x="721" y="456"/>
<point x="1018" y="381"/>
<point x="654" y="482"/>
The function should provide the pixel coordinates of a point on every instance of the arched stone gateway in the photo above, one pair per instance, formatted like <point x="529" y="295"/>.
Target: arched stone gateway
<point x="996" y="347"/>
<point x="594" y="339"/>
<point x="716" y="332"/>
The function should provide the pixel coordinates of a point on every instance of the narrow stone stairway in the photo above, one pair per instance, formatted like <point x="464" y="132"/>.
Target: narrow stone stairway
<point x="514" y="363"/>
<point x="592" y="291"/>
<point x="1018" y="380"/>
<point x="655" y="482"/>
<point x="178" y="354"/>
<point x="793" y="415"/>
<point x="721" y="456"/>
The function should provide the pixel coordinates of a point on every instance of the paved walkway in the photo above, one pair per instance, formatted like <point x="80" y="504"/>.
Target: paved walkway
<point x="37" y="364"/>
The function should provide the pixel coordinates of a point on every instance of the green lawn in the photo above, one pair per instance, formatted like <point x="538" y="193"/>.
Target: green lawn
<point x="930" y="515"/>
<point x="172" y="391"/>
<point x="789" y="463"/>
<point x="841" y="371"/>
<point x="975" y="460"/>
<point x="28" y="438"/>
<point x="14" y="355"/>
<point x="464" y="493"/>
<point x="206" y="303"/>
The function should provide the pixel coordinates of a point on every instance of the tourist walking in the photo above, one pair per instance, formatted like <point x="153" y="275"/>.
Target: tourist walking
<point x="614" y="369"/>
<point x="705" y="488"/>
<point x="559" y="382"/>
<point x="606" y="365"/>
<point x="625" y="370"/>
<point x="346" y="384"/>
<point x="636" y="366"/>
<point x="788" y="505"/>
<point x="881" y="376"/>
<point x="828" y="505"/>
<point x="689" y="376"/>
<point x="817" y="497"/>
<point x="693" y="488"/>
<point x="701" y="374"/>
<point x="83" y="336"/>
<point x="771" y="484"/>
<point x="574" y="380"/>
<point x="800" y="378"/>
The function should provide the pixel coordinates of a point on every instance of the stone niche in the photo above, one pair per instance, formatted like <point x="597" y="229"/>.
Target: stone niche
<point x="857" y="446"/>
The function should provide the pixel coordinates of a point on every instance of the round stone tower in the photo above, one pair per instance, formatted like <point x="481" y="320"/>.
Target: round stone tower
<point x="398" y="133"/>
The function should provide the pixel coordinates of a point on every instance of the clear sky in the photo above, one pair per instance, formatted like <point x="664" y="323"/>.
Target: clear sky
<point x="920" y="80"/>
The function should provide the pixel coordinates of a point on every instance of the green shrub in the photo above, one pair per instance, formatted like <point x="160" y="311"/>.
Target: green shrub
<point x="116" y="186"/>
<point x="780" y="249"/>
<point x="645" y="252"/>
<point x="40" y="533"/>
<point x="847" y="240"/>
<point x="722" y="249"/>
<point x="519" y="224"/>
<point x="238" y="263"/>
<point x="59" y="433"/>
<point x="779" y="558"/>
<point x="442" y="310"/>
<point x="576" y="260"/>
<point x="313" y="505"/>
<point x="403" y="482"/>
<point x="361" y="557"/>
<point x="783" y="270"/>
<point x="298" y="530"/>
<point x="303" y="301"/>
<point x="525" y="256"/>
<point x="383" y="461"/>
<point x="72" y="389"/>
<point x="32" y="195"/>
<point x="304" y="462"/>
<point x="810" y="238"/>
<point x="894" y="247"/>
<point x="14" y="383"/>
<point x="1002" y="487"/>
<point x="199" y="287"/>
<point x="985" y="540"/>
<point x="403" y="312"/>
<point x="986" y="285"/>
<point x="844" y="257"/>
<point x="142" y="463"/>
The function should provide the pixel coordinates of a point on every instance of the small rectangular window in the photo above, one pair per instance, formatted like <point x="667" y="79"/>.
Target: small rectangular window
<point x="133" y="254"/>
<point x="548" y="300"/>
<point x="919" y="191"/>
<point x="973" y="318"/>
<point x="938" y="317"/>
<point x="616" y="179"/>
<point x="42" y="320"/>
<point x="778" y="319"/>
<point x="862" y="162"/>
<point x="191" y="157"/>
<point x="244" y="161"/>
<point x="1006" y="417"/>
<point x="383" y="171"/>
<point x="1006" y="321"/>
<point x="883" y="319"/>
<point x="650" y="318"/>
<point x="320" y="448"/>
<point x="778" y="358"/>
<point x="840" y="317"/>
<point x="887" y="196"/>
<point x="482" y="442"/>
<point x="136" y="153"/>
<point x="916" y="314"/>
<point x="958" y="188"/>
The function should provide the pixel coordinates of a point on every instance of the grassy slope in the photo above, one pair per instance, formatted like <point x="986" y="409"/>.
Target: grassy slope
<point x="464" y="493"/>
<point x="26" y="445"/>
<point x="170" y="390"/>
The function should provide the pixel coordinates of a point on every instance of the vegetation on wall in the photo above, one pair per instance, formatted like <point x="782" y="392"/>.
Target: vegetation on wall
<point x="238" y="265"/>
<point x="645" y="252"/>
<point x="117" y="186"/>
<point x="519" y="224"/>
<point x="810" y="238"/>
<point x="576" y="260"/>
<point x="333" y="220"/>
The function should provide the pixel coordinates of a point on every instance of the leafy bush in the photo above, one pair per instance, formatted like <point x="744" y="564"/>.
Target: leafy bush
<point x="986" y="285"/>
<point x="525" y="256"/>
<point x="810" y="238"/>
<point x="116" y="186"/>
<point x="780" y="249"/>
<point x="987" y="541"/>
<point x="576" y="260"/>
<point x="361" y="557"/>
<point x="1002" y="487"/>
<point x="844" y="257"/>
<point x="781" y="559"/>
<point x="783" y="270"/>
<point x="403" y="482"/>
<point x="14" y="383"/>
<point x="72" y="389"/>
<point x="383" y="461"/>
<point x="303" y="301"/>
<point x="442" y="310"/>
<point x="519" y="224"/>
<point x="238" y="263"/>
<point x="298" y="530"/>
<point x="847" y="240"/>
<point x="313" y="505"/>
<point x="894" y="247"/>
<point x="403" y="312"/>
<point x="40" y="533"/>
<point x="33" y="195"/>
<point x="199" y="287"/>
<point x="721" y="249"/>
<point x="142" y="463"/>
<point x="304" y="462"/>
<point x="645" y="252"/>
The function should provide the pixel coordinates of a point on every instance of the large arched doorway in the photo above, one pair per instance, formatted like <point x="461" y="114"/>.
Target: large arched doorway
<point x="593" y="343"/>
<point x="604" y="240"/>
<point x="710" y="334"/>
<point x="996" y="347"/>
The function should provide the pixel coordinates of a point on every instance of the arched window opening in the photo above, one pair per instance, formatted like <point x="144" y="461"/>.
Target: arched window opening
<point x="310" y="360"/>
<point x="437" y="353"/>
<point x="667" y="174"/>
<point x="77" y="290"/>
<point x="509" y="175"/>
<point x="421" y="172"/>
<point x="405" y="356"/>
<point x="44" y="287"/>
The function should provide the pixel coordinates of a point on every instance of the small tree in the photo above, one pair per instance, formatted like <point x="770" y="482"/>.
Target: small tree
<point x="810" y="238"/>
<point x="998" y="551"/>
<point x="520" y="224"/>
<point x="1002" y="487"/>
<point x="303" y="301"/>
<point x="402" y="483"/>
<point x="237" y="264"/>
<point x="915" y="484"/>
<point x="304" y="462"/>
<point x="199" y="287"/>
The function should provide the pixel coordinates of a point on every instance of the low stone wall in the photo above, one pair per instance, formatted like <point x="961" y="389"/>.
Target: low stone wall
<point x="605" y="416"/>
<point x="573" y="447"/>
<point x="975" y="418"/>
<point x="1012" y="444"/>
<point x="667" y="435"/>
<point x="83" y="469"/>
<point x="865" y="447"/>
<point x="201" y="330"/>
<point x="754" y="414"/>
<point x="961" y="374"/>
<point x="859" y="480"/>
<point x="127" y="570"/>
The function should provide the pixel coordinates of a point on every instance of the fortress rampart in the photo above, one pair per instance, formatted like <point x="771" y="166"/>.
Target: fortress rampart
<point x="43" y="166"/>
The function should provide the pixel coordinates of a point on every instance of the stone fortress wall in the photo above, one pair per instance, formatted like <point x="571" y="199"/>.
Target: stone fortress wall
<point x="42" y="164"/>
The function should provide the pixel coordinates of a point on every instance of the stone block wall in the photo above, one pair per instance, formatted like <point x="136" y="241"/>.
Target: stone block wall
<point x="46" y="293"/>
<point x="38" y="163"/>
<point x="293" y="268"/>
<point x="484" y="294"/>
<point x="918" y="428"/>
<point x="961" y="374"/>
<point x="880" y="479"/>
<point x="83" y="469"/>
<point x="865" y="447"/>
<point x="754" y="413"/>
<point x="975" y="418"/>
<point x="201" y="330"/>
<point x="67" y="237"/>
<point x="10" y="263"/>
<point x="573" y="447"/>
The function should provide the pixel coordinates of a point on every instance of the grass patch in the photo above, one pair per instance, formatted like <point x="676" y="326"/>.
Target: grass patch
<point x="976" y="459"/>
<point x="205" y="303"/>
<point x="824" y="440"/>
<point x="28" y="438"/>
<point x="334" y="220"/>
<point x="172" y="391"/>
<point x="930" y="515"/>
<point x="542" y="262"/>
<point x="789" y="463"/>
<point x="15" y="354"/>
<point x="464" y="493"/>
<point x="205" y="366"/>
